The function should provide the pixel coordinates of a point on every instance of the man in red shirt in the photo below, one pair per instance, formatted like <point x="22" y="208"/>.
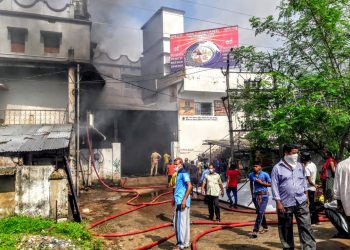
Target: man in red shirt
<point x="170" y="170"/>
<point x="233" y="176"/>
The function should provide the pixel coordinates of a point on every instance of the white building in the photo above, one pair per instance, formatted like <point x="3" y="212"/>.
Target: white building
<point x="195" y="93"/>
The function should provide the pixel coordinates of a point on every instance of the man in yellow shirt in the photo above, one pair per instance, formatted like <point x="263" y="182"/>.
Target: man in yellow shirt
<point x="166" y="158"/>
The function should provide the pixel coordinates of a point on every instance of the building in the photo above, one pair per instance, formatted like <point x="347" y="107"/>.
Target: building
<point x="194" y="92"/>
<point x="41" y="47"/>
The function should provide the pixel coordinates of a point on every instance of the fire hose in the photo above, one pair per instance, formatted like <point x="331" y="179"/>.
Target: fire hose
<point x="134" y="190"/>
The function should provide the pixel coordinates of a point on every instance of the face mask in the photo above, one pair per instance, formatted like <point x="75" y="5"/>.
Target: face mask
<point x="291" y="160"/>
<point x="211" y="171"/>
<point x="176" y="169"/>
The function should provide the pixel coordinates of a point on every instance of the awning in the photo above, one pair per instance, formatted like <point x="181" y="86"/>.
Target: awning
<point x="34" y="138"/>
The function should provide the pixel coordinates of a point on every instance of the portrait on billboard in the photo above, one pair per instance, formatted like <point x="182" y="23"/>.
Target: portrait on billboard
<point x="206" y="48"/>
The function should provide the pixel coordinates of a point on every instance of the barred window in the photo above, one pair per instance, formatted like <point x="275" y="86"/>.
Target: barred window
<point x="204" y="108"/>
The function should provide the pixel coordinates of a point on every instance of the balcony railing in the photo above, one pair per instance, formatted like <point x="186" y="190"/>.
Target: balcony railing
<point x="22" y="116"/>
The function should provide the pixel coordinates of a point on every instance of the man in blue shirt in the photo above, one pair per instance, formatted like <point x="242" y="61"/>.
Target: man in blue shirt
<point x="259" y="181"/>
<point x="182" y="203"/>
<point x="289" y="189"/>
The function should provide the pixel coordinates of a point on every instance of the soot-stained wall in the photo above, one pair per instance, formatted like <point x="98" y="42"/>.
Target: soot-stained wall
<point x="140" y="133"/>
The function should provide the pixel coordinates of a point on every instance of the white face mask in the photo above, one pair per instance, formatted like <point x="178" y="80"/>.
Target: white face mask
<point x="211" y="170"/>
<point x="291" y="160"/>
<point x="176" y="169"/>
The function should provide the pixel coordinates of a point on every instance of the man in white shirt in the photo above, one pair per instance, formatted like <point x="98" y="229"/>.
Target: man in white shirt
<point x="310" y="173"/>
<point x="342" y="187"/>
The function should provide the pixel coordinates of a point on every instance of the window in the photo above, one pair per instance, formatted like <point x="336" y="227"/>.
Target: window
<point x="52" y="41"/>
<point x="204" y="108"/>
<point x="253" y="84"/>
<point x="18" y="39"/>
<point x="187" y="106"/>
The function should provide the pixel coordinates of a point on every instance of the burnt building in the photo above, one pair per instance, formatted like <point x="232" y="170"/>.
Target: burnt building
<point x="42" y="45"/>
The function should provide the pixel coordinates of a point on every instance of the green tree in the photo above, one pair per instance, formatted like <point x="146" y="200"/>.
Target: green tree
<point x="306" y="98"/>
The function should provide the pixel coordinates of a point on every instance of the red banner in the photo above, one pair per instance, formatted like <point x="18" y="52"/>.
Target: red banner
<point x="206" y="48"/>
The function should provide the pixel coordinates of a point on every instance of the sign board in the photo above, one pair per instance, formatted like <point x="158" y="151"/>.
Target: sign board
<point x="206" y="48"/>
<point x="199" y="118"/>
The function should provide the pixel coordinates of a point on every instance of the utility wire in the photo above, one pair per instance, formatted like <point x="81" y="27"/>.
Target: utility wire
<point x="138" y="29"/>
<point x="217" y="8"/>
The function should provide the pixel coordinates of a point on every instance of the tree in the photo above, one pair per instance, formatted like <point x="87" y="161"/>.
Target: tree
<point x="307" y="97"/>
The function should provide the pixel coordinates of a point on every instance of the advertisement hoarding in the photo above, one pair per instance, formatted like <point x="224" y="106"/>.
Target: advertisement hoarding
<point x="206" y="48"/>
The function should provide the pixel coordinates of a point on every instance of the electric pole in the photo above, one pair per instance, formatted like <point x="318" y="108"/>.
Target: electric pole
<point x="228" y="108"/>
<point x="77" y="124"/>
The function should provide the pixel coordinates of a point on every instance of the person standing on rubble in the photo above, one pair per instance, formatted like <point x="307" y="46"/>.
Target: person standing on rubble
<point x="155" y="157"/>
<point x="182" y="201"/>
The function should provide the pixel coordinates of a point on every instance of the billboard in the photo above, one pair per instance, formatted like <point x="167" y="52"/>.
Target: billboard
<point x="206" y="48"/>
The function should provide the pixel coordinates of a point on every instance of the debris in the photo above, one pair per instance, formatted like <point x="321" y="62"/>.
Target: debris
<point x="45" y="242"/>
<point x="86" y="210"/>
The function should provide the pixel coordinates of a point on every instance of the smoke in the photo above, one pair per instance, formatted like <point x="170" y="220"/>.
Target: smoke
<point x="117" y="23"/>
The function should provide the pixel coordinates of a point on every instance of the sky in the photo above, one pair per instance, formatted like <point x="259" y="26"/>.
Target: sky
<point x="117" y="23"/>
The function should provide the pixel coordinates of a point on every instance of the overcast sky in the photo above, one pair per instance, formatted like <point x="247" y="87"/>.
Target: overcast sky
<point x="117" y="23"/>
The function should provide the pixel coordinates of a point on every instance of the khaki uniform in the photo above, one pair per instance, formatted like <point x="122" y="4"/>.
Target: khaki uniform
<point x="154" y="162"/>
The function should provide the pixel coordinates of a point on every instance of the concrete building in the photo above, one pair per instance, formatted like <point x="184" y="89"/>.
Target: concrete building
<point x="193" y="93"/>
<point x="41" y="44"/>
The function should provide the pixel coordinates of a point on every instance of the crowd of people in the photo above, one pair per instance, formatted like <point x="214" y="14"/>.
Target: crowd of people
<point x="294" y="185"/>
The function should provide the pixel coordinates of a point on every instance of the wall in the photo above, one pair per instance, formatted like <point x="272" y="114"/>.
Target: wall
<point x="61" y="8"/>
<point x="156" y="45"/>
<point x="7" y="195"/>
<point x="41" y="92"/>
<point x="195" y="129"/>
<point x="117" y="94"/>
<point x="74" y="35"/>
<point x="33" y="190"/>
<point x="108" y="167"/>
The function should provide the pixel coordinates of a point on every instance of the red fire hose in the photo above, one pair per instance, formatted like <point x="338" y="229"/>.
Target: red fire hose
<point x="134" y="190"/>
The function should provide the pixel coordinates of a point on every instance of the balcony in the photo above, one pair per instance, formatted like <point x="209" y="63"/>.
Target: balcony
<point x="22" y="117"/>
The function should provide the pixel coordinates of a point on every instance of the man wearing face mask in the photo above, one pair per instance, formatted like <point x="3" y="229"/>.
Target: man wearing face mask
<point x="289" y="190"/>
<point x="182" y="201"/>
<point x="213" y="188"/>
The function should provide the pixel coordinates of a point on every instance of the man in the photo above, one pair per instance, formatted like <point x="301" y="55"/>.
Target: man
<point x="233" y="176"/>
<point x="194" y="175"/>
<point x="182" y="203"/>
<point x="213" y="188"/>
<point x="187" y="165"/>
<point x="342" y="188"/>
<point x="170" y="170"/>
<point x="327" y="175"/>
<point x="259" y="182"/>
<point x="155" y="157"/>
<point x="289" y="190"/>
<point x="310" y="173"/>
<point x="166" y="158"/>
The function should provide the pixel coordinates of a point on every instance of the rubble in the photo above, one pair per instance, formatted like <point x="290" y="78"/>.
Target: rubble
<point x="45" y="242"/>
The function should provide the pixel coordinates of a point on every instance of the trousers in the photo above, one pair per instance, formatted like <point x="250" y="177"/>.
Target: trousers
<point x="234" y="192"/>
<point x="213" y="205"/>
<point x="182" y="226"/>
<point x="285" y="227"/>
<point x="154" y="166"/>
<point x="260" y="205"/>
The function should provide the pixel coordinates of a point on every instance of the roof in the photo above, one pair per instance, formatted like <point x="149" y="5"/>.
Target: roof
<point x="243" y="144"/>
<point x="34" y="138"/>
